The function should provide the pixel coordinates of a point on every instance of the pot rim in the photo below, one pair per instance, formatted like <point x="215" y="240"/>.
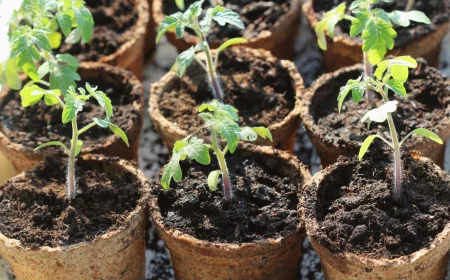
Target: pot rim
<point x="155" y="212"/>
<point x="158" y="88"/>
<point x="345" y="38"/>
<point x="129" y="220"/>
<point x="263" y="36"/>
<point x="442" y="128"/>
<point x="110" y="140"/>
<point x="134" y="34"/>
<point x="311" y="225"/>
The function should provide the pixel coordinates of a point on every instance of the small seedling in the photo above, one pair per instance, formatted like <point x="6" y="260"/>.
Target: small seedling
<point x="390" y="74"/>
<point x="191" y="19"/>
<point x="35" y="32"/>
<point x="375" y="26"/>
<point x="221" y="120"/>
<point x="72" y="103"/>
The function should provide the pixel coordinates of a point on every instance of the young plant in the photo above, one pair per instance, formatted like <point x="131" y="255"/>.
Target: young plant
<point x="72" y="103"/>
<point x="35" y="32"/>
<point x="375" y="26"/>
<point x="391" y="74"/>
<point x="221" y="120"/>
<point x="191" y="19"/>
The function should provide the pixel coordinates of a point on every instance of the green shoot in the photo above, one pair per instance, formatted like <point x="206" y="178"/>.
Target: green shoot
<point x="391" y="75"/>
<point x="38" y="28"/>
<point x="72" y="103"/>
<point x="374" y="25"/>
<point x="221" y="120"/>
<point x="191" y="19"/>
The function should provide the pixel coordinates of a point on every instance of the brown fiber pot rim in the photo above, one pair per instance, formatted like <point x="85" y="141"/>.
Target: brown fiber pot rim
<point x="110" y="140"/>
<point x="158" y="89"/>
<point x="136" y="33"/>
<point x="264" y="36"/>
<point x="132" y="217"/>
<point x="345" y="38"/>
<point x="227" y="248"/>
<point x="442" y="128"/>
<point x="312" y="226"/>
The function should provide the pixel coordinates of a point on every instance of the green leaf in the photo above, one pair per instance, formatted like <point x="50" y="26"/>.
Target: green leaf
<point x="102" y="123"/>
<point x="209" y="106"/>
<point x="63" y="77"/>
<point x="172" y="170"/>
<point x="194" y="10"/>
<point x="428" y="134"/>
<point x="183" y="60"/>
<point x="180" y="4"/>
<point x="213" y="180"/>
<point x="355" y="4"/>
<point x="67" y="59"/>
<point x="33" y="94"/>
<point x="359" y="23"/>
<point x="397" y="67"/>
<point x="227" y="111"/>
<point x="231" y="42"/>
<point x="229" y="131"/>
<point x="74" y="36"/>
<point x="328" y="23"/>
<point x="365" y="146"/>
<point x="356" y="86"/>
<point x="118" y="131"/>
<point x="404" y="18"/>
<point x="85" y="22"/>
<point x="263" y="132"/>
<point x="397" y="87"/>
<point x="198" y="151"/>
<point x="53" y="143"/>
<point x="65" y="23"/>
<point x="378" y="37"/>
<point x="248" y="134"/>
<point x="228" y="16"/>
<point x="168" y="23"/>
<point x="11" y="74"/>
<point x="380" y="114"/>
<point x="320" y="33"/>
<point x="55" y="39"/>
<point x="103" y="100"/>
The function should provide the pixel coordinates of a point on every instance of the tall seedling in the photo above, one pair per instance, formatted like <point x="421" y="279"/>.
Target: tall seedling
<point x="390" y="75"/>
<point x="374" y="25"/>
<point x="191" y="19"/>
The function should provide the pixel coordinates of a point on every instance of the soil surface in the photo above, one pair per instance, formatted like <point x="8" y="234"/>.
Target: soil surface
<point x="356" y="211"/>
<point x="427" y="106"/>
<point x="437" y="10"/>
<point x="113" y="22"/>
<point x="260" y="89"/>
<point x="38" y="124"/>
<point x="264" y="203"/>
<point x="257" y="16"/>
<point x="35" y="210"/>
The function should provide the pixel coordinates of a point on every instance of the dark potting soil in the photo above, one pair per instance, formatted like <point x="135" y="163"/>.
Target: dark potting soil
<point x="260" y="89"/>
<point x="38" y="124"/>
<point x="357" y="213"/>
<point x="437" y="10"/>
<point x="35" y="210"/>
<point x="427" y="106"/>
<point x="257" y="16"/>
<point x="264" y="203"/>
<point x="113" y="22"/>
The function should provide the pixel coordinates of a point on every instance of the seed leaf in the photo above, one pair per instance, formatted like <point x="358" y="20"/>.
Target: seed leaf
<point x="365" y="146"/>
<point x="428" y="134"/>
<point x="52" y="143"/>
<point x="118" y="131"/>
<point x="380" y="114"/>
<point x="213" y="180"/>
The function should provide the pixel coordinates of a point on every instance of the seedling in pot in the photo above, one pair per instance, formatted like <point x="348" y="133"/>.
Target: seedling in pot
<point x="35" y="32"/>
<point x="191" y="19"/>
<point x="391" y="75"/>
<point x="72" y="103"/>
<point x="375" y="26"/>
<point x="221" y="120"/>
<point x="180" y="3"/>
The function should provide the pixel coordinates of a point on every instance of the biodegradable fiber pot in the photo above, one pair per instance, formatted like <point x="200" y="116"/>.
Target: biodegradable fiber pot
<point x="267" y="26"/>
<point x="113" y="246"/>
<point x="334" y="134"/>
<point x="264" y="89"/>
<point x="417" y="41"/>
<point x="8" y="170"/>
<point x="331" y="190"/>
<point x="119" y="34"/>
<point x="23" y="129"/>
<point x="274" y="255"/>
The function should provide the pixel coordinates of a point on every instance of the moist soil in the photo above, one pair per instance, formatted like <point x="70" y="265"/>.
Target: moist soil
<point x="38" y="124"/>
<point x="356" y="212"/>
<point x="34" y="209"/>
<point x="427" y="106"/>
<point x="437" y="10"/>
<point x="113" y="23"/>
<point x="261" y="89"/>
<point x="264" y="204"/>
<point x="257" y="17"/>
